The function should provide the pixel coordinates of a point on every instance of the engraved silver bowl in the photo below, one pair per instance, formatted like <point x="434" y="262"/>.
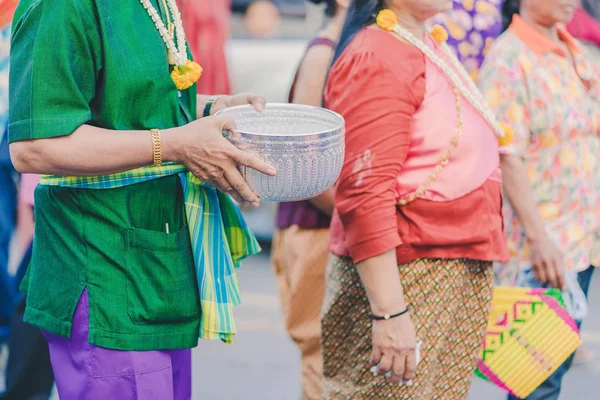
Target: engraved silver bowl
<point x="305" y="144"/>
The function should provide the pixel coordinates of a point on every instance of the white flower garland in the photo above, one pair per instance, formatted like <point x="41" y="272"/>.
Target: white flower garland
<point x="470" y="93"/>
<point x="177" y="53"/>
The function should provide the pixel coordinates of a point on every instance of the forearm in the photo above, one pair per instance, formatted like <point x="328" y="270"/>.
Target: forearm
<point x="89" y="151"/>
<point x="381" y="280"/>
<point x="324" y="202"/>
<point x="518" y="191"/>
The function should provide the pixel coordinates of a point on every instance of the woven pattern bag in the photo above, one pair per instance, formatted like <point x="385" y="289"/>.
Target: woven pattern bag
<point x="529" y="335"/>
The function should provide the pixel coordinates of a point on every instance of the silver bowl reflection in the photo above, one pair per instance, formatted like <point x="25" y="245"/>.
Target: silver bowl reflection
<point x="305" y="144"/>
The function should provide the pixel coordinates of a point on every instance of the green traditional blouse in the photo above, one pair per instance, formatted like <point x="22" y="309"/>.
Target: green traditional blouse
<point x="103" y="63"/>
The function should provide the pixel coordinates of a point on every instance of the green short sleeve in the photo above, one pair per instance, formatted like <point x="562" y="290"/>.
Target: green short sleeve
<point x="55" y="63"/>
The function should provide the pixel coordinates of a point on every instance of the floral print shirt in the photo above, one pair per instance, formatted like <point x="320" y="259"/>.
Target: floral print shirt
<point x="550" y="94"/>
<point x="472" y="26"/>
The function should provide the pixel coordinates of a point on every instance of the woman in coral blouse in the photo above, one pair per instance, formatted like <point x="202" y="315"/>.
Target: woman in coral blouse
<point x="417" y="220"/>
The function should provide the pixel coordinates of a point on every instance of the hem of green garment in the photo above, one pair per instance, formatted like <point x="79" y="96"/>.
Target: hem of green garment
<point x="47" y="322"/>
<point x="115" y="341"/>
<point x="148" y="342"/>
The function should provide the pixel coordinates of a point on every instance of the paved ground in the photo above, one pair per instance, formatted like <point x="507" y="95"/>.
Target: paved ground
<point x="262" y="364"/>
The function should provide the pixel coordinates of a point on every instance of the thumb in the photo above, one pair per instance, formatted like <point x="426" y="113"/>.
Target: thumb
<point x="225" y="123"/>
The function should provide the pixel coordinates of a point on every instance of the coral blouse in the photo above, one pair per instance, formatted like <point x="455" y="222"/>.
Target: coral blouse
<point x="400" y="113"/>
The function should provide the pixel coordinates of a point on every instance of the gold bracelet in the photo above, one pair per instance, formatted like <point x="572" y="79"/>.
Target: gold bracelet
<point x="156" y="147"/>
<point x="215" y="99"/>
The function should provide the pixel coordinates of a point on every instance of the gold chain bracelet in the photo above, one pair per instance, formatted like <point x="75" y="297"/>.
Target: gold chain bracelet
<point x="156" y="147"/>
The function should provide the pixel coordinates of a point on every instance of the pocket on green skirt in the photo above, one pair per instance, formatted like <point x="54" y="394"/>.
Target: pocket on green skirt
<point x="161" y="277"/>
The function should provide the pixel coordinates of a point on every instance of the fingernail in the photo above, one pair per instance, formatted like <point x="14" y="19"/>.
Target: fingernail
<point x="256" y="203"/>
<point x="246" y="203"/>
<point x="272" y="171"/>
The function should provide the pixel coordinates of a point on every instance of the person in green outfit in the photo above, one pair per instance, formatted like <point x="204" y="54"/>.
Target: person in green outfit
<point x="135" y="250"/>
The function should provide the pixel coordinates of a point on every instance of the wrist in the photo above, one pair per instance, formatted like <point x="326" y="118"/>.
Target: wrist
<point x="212" y="105"/>
<point x="171" y="146"/>
<point x="535" y="235"/>
<point x="390" y="307"/>
<point x="385" y="317"/>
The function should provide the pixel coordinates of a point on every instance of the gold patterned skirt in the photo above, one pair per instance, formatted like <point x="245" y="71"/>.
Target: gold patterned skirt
<point x="449" y="301"/>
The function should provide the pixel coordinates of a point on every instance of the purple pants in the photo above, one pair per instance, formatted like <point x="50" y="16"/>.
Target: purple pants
<point x="84" y="371"/>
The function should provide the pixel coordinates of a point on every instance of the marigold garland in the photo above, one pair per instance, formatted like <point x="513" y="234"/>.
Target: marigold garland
<point x="439" y="34"/>
<point x="509" y="134"/>
<point x="387" y="20"/>
<point x="186" y="76"/>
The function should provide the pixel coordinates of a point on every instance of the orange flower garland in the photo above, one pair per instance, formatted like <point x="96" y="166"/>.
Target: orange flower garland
<point x="185" y="72"/>
<point x="184" y="77"/>
<point x="439" y="34"/>
<point x="387" y="20"/>
<point x="509" y="134"/>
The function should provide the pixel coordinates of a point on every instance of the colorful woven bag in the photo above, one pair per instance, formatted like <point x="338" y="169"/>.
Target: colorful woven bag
<point x="529" y="335"/>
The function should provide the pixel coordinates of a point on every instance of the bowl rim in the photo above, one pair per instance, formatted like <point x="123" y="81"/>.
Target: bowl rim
<point x="341" y="125"/>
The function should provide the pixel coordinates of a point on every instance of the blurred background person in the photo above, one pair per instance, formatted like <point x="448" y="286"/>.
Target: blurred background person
<point x="585" y="28"/>
<point x="539" y="79"/>
<point x="262" y="18"/>
<point x="8" y="190"/>
<point x="593" y="8"/>
<point x="299" y="251"/>
<point x="29" y="373"/>
<point x="207" y="27"/>
<point x="472" y="26"/>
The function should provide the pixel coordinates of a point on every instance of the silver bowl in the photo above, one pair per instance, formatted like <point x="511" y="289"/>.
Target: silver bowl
<point x="305" y="144"/>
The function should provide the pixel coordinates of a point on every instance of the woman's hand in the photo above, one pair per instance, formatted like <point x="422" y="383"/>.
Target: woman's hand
<point x="547" y="262"/>
<point x="201" y="147"/>
<point x="258" y="102"/>
<point x="546" y="259"/>
<point x="394" y="340"/>
<point x="394" y="349"/>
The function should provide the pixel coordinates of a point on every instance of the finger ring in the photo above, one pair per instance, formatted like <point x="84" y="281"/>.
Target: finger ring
<point x="225" y="133"/>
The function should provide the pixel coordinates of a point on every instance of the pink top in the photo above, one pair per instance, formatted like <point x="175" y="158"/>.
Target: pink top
<point x="473" y="161"/>
<point x="400" y="117"/>
<point x="28" y="184"/>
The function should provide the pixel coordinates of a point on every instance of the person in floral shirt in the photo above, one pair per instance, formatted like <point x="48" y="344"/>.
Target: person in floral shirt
<point x="540" y="80"/>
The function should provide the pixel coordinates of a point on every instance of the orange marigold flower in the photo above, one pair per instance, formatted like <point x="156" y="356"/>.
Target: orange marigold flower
<point x="509" y="133"/>
<point x="184" y="77"/>
<point x="439" y="34"/>
<point x="387" y="19"/>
